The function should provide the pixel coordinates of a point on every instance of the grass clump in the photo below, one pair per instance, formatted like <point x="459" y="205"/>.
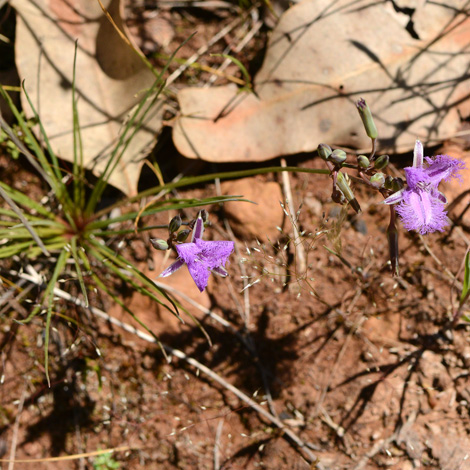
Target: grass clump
<point x="62" y="233"/>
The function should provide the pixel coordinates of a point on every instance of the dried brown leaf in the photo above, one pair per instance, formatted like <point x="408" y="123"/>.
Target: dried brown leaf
<point x="110" y="80"/>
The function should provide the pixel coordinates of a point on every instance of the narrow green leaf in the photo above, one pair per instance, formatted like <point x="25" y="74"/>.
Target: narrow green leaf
<point x="124" y="140"/>
<point x="192" y="180"/>
<point x="242" y="68"/>
<point x="23" y="219"/>
<point x="466" y="279"/>
<point x="20" y="232"/>
<point x="118" y="264"/>
<point x="49" y="296"/>
<point x="78" y="167"/>
<point x="46" y="173"/>
<point x="104" y="288"/>
<point x="341" y="258"/>
<point x="53" y="246"/>
<point x="121" y="146"/>
<point x="171" y="204"/>
<point x="14" y="249"/>
<point x="74" y="250"/>
<point x="59" y="188"/>
<point x="26" y="201"/>
<point x="37" y="149"/>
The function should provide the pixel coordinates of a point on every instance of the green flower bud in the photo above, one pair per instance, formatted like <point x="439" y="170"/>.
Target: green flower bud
<point x="381" y="162"/>
<point x="161" y="245"/>
<point x="175" y="224"/>
<point x="183" y="235"/>
<point x="378" y="180"/>
<point x="367" y="119"/>
<point x="363" y="161"/>
<point x="342" y="181"/>
<point x="338" y="156"/>
<point x="324" y="151"/>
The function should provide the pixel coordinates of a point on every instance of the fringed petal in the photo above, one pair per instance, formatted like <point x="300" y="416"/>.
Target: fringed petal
<point x="422" y="212"/>
<point x="188" y="251"/>
<point x="443" y="168"/>
<point x="202" y="257"/>
<point x="215" y="253"/>
<point x="199" y="273"/>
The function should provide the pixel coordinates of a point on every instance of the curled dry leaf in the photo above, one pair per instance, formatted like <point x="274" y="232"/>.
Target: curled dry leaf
<point x="110" y="80"/>
<point x="323" y="56"/>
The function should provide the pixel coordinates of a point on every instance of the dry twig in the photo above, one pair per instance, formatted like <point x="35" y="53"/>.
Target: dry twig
<point x="217" y="444"/>
<point x="299" y="250"/>
<point x="14" y="439"/>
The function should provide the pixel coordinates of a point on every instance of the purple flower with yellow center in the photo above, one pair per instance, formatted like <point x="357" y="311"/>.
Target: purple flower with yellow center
<point x="201" y="257"/>
<point x="421" y="204"/>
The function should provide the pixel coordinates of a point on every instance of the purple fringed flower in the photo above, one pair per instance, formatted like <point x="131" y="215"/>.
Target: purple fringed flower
<point x="421" y="204"/>
<point x="201" y="257"/>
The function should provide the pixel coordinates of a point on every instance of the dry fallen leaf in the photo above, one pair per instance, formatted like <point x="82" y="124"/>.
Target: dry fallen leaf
<point x="323" y="56"/>
<point x="110" y="80"/>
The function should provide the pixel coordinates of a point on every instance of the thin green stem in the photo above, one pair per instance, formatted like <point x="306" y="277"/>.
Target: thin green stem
<point x="192" y="180"/>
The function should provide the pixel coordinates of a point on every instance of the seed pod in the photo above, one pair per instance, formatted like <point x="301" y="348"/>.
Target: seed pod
<point x="183" y="235"/>
<point x="342" y="182"/>
<point x="338" y="156"/>
<point x="175" y="224"/>
<point x="378" y="180"/>
<point x="363" y="161"/>
<point x="397" y="184"/>
<point x="158" y="244"/>
<point x="388" y="182"/>
<point x="367" y="119"/>
<point x="324" y="151"/>
<point x="381" y="162"/>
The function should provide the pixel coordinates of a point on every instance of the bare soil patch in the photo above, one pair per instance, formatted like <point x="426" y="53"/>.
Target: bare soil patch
<point x="364" y="371"/>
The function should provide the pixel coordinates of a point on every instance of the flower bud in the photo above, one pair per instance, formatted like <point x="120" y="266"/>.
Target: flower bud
<point x="367" y="119"/>
<point x="175" y="224"/>
<point x="183" y="235"/>
<point x="324" y="151"/>
<point x="338" y="156"/>
<point x="343" y="186"/>
<point x="388" y="182"/>
<point x="397" y="184"/>
<point x="381" y="162"/>
<point x="338" y="197"/>
<point x="204" y="215"/>
<point x="363" y="161"/>
<point x="378" y="180"/>
<point x="158" y="244"/>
